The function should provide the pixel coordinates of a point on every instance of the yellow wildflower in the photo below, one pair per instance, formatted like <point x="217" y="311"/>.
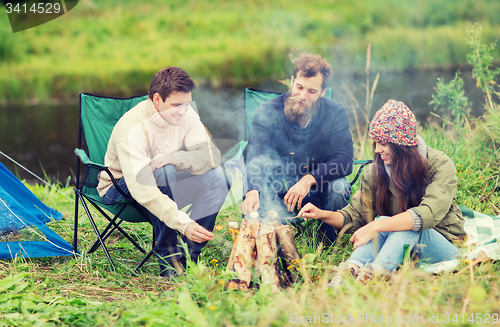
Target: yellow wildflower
<point x="212" y="307"/>
<point x="218" y="227"/>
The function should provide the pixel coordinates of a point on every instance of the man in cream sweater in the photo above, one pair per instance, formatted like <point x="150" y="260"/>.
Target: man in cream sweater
<point x="162" y="156"/>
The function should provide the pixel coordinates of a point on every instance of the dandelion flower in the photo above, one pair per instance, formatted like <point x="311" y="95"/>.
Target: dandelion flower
<point x="218" y="227"/>
<point x="212" y="307"/>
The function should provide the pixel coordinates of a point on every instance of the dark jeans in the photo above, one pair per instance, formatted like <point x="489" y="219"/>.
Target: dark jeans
<point x="331" y="195"/>
<point x="206" y="194"/>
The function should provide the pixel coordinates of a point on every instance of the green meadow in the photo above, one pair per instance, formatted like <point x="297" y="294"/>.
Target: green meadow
<point x="86" y="291"/>
<point x="114" y="48"/>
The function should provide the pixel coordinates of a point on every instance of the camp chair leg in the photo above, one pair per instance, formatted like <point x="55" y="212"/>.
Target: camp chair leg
<point x="75" y="227"/>
<point x="96" y="231"/>
<point x="105" y="234"/>
<point x="116" y="226"/>
<point x="146" y="258"/>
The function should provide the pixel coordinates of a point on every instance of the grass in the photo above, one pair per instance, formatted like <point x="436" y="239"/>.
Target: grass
<point x="115" y="49"/>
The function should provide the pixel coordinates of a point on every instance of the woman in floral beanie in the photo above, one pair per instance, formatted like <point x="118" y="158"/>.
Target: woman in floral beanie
<point x="407" y="196"/>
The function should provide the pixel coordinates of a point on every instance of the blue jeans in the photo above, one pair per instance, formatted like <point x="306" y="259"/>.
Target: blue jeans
<point x="205" y="192"/>
<point x="331" y="195"/>
<point x="385" y="251"/>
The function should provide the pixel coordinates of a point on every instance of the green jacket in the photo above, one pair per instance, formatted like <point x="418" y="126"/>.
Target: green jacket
<point x="438" y="209"/>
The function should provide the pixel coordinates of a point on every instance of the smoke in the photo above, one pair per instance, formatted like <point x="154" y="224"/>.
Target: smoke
<point x="222" y="114"/>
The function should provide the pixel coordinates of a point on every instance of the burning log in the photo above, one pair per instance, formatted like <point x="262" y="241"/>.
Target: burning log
<point x="267" y="256"/>
<point x="256" y="249"/>
<point x="243" y="254"/>
<point x="289" y="249"/>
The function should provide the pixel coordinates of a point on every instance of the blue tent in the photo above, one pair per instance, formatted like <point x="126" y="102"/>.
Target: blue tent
<point x="21" y="210"/>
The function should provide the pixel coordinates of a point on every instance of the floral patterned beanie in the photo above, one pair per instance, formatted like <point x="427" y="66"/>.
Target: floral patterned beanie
<point x="394" y="123"/>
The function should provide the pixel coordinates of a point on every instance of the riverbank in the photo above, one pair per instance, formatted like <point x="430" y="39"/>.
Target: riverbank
<point x="115" y="50"/>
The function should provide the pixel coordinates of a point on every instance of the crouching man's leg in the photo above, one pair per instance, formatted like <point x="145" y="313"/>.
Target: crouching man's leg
<point x="206" y="193"/>
<point x="211" y="191"/>
<point x="166" y="238"/>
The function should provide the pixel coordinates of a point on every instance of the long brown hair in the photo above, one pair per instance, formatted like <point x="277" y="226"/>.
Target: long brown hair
<point x="408" y="174"/>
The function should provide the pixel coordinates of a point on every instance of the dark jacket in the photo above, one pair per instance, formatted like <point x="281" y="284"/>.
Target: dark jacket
<point x="323" y="148"/>
<point x="438" y="208"/>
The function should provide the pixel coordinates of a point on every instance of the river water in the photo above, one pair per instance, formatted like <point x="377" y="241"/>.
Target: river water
<point x="42" y="137"/>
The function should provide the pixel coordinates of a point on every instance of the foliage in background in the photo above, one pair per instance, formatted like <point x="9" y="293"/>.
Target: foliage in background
<point x="360" y="128"/>
<point x="450" y="98"/>
<point x="114" y="49"/>
<point x="481" y="59"/>
<point x="475" y="150"/>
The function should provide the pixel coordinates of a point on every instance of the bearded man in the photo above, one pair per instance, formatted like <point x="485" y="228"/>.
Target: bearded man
<point x="301" y="148"/>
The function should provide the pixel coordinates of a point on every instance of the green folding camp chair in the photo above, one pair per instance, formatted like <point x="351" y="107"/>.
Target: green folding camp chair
<point x="98" y="116"/>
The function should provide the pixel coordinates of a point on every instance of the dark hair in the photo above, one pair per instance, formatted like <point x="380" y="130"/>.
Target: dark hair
<point x="309" y="65"/>
<point x="408" y="175"/>
<point x="168" y="80"/>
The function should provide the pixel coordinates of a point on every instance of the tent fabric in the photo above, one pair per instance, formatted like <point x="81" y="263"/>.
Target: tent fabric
<point x="20" y="209"/>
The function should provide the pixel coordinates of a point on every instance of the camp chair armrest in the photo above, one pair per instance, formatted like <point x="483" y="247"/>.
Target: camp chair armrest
<point x="80" y="153"/>
<point x="363" y="163"/>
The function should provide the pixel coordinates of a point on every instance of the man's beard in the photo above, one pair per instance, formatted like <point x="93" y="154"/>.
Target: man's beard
<point x="295" y="112"/>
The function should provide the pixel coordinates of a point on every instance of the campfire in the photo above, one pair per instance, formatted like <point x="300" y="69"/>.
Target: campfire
<point x="259" y="248"/>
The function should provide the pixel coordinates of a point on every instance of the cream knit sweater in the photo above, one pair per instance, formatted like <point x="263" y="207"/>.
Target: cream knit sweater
<point x="142" y="134"/>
